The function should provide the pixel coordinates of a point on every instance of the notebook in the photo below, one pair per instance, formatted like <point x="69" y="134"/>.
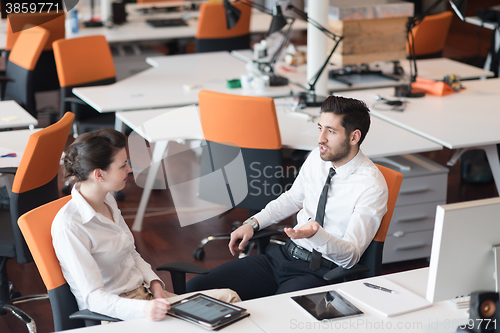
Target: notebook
<point x="385" y="303"/>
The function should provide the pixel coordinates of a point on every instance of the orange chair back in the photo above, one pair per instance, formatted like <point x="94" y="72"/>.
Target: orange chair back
<point x="40" y="162"/>
<point x="212" y="21"/>
<point x="430" y="35"/>
<point x="247" y="121"/>
<point x="83" y="60"/>
<point x="35" y="226"/>
<point x="53" y="22"/>
<point x="28" y="47"/>
<point x="393" y="180"/>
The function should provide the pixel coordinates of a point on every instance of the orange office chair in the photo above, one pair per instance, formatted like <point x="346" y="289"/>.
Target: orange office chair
<point x="82" y="62"/>
<point x="19" y="82"/>
<point x="45" y="70"/>
<point x="35" y="226"/>
<point x="229" y="120"/>
<point x="35" y="183"/>
<point x="370" y="263"/>
<point x="430" y="35"/>
<point x="212" y="33"/>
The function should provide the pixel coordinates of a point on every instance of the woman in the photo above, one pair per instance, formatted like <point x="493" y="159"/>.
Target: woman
<point x="93" y="243"/>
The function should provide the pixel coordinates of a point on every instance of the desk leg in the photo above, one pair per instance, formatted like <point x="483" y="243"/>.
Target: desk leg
<point x="156" y="162"/>
<point x="492" y="155"/>
<point x="119" y="125"/>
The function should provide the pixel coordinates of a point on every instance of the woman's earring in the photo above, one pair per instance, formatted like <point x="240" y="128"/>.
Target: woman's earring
<point x="102" y="180"/>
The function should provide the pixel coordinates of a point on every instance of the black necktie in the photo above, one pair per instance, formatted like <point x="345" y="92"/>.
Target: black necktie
<point x="315" y="263"/>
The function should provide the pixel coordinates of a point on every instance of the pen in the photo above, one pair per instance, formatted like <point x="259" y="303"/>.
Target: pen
<point x="9" y="155"/>
<point x="369" y="285"/>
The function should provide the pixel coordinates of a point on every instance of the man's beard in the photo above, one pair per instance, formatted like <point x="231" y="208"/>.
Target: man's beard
<point x="341" y="153"/>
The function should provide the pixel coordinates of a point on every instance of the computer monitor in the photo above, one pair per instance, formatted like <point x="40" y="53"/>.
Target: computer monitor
<point x="462" y="256"/>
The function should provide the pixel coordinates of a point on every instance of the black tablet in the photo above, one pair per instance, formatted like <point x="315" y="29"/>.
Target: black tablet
<point x="207" y="311"/>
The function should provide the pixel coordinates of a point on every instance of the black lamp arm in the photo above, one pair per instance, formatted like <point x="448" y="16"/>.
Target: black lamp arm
<point x="286" y="36"/>
<point x="256" y="5"/>
<point x="336" y="38"/>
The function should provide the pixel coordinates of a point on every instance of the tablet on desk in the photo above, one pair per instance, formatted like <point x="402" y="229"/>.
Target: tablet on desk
<point x="207" y="312"/>
<point x="159" y="23"/>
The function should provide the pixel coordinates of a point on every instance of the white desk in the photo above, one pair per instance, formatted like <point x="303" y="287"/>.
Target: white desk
<point x="12" y="115"/>
<point x="297" y="132"/>
<point x="137" y="30"/>
<point x="466" y="119"/>
<point x="163" y="86"/>
<point x="280" y="314"/>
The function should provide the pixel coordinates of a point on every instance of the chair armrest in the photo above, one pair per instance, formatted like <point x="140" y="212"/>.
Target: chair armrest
<point x="342" y="273"/>
<point x="93" y="316"/>
<point x="11" y="170"/>
<point x="5" y="79"/>
<point x="178" y="272"/>
<point x="74" y="100"/>
<point x="183" y="267"/>
<point x="3" y="83"/>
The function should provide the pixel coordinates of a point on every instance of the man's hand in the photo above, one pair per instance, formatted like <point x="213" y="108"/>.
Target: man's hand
<point x="156" y="289"/>
<point x="306" y="231"/>
<point x="156" y="309"/>
<point x="245" y="232"/>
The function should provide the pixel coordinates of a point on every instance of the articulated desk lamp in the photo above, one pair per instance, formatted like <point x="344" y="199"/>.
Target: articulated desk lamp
<point x="309" y="98"/>
<point x="278" y="22"/>
<point x="406" y="91"/>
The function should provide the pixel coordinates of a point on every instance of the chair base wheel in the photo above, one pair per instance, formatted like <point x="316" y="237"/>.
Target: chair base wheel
<point x="199" y="254"/>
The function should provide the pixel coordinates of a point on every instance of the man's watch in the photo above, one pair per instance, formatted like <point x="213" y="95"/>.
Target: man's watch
<point x="253" y="224"/>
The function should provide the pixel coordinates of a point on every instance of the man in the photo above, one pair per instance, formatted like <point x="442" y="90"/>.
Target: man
<point x="328" y="233"/>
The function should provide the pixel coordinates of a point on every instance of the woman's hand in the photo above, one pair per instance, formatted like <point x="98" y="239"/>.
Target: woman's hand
<point x="156" y="309"/>
<point x="156" y="289"/>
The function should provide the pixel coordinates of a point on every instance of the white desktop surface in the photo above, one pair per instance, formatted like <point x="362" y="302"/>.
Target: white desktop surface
<point x="20" y="117"/>
<point x="14" y="141"/>
<point x="297" y="132"/>
<point x="279" y="314"/>
<point x="163" y="86"/>
<point x="468" y="118"/>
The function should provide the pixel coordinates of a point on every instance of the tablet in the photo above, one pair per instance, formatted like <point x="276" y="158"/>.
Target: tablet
<point x="206" y="311"/>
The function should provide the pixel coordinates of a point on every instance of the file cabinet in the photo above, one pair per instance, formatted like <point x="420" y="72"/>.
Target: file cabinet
<point x="423" y="188"/>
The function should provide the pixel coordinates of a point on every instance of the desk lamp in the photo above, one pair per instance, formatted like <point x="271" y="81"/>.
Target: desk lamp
<point x="278" y="22"/>
<point x="309" y="97"/>
<point x="92" y="22"/>
<point x="406" y="91"/>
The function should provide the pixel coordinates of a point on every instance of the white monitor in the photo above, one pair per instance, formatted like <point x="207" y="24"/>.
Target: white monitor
<point x="462" y="256"/>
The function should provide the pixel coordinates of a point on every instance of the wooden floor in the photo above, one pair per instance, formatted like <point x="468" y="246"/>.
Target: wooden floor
<point x="163" y="240"/>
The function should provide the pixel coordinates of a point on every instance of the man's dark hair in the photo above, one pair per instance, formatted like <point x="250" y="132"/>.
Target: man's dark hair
<point x="355" y="114"/>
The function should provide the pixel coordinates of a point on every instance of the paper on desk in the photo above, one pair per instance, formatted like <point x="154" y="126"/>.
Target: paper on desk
<point x="382" y="302"/>
<point x="9" y="118"/>
<point x="6" y="162"/>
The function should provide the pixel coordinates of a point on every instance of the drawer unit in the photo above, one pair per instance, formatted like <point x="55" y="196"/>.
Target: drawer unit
<point x="424" y="187"/>
<point x="414" y="217"/>
<point x="407" y="246"/>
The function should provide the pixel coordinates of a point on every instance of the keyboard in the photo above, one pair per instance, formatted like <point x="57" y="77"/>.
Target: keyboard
<point x="159" y="23"/>
<point x="461" y="301"/>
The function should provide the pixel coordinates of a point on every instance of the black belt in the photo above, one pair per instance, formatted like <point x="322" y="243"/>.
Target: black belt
<point x="298" y="252"/>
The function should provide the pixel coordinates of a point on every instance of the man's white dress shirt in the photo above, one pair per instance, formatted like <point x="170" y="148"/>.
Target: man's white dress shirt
<point x="98" y="258"/>
<point x="356" y="203"/>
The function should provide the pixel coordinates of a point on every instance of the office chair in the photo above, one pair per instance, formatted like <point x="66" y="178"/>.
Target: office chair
<point x="370" y="263"/>
<point x="212" y="33"/>
<point x="18" y="84"/>
<point x="36" y="228"/>
<point x="430" y="35"/>
<point x="35" y="183"/>
<point x="45" y="70"/>
<point x="251" y="124"/>
<point x="82" y="62"/>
